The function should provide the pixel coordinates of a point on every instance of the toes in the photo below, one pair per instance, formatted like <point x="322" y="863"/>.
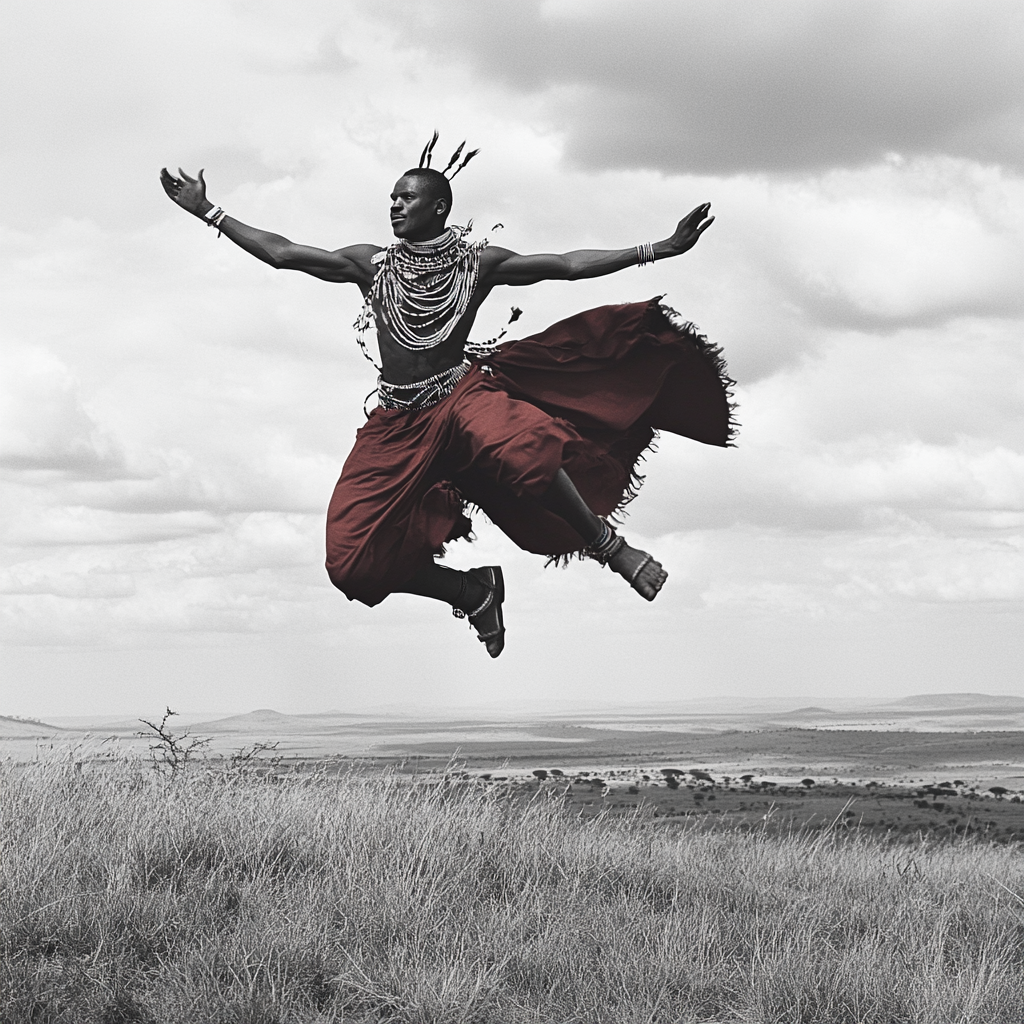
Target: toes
<point x="654" y="579"/>
<point x="649" y="580"/>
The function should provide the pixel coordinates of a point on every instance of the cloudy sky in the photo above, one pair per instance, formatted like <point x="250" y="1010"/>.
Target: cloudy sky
<point x="175" y="413"/>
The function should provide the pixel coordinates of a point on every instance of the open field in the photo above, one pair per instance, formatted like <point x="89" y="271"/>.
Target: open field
<point x="977" y="737"/>
<point x="885" y="768"/>
<point x="219" y="895"/>
<point x="810" y="866"/>
<point x="673" y="797"/>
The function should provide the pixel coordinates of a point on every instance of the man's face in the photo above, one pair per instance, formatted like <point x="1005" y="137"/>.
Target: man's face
<point x="414" y="213"/>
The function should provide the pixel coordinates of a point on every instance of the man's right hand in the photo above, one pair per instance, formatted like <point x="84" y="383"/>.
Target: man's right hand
<point x="349" y="265"/>
<point x="189" y="193"/>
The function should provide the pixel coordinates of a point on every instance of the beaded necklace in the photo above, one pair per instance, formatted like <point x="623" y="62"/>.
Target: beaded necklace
<point x="422" y="289"/>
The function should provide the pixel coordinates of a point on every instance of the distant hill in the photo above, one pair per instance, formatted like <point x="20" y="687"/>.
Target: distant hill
<point x="101" y="725"/>
<point x="259" y="720"/>
<point x="958" y="701"/>
<point x="808" y="712"/>
<point x="266" y="721"/>
<point x="25" y="728"/>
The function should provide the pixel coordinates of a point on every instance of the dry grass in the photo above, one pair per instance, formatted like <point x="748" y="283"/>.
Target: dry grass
<point x="210" y="898"/>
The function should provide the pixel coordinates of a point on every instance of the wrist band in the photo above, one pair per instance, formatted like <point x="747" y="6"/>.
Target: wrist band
<point x="213" y="218"/>
<point x="644" y="253"/>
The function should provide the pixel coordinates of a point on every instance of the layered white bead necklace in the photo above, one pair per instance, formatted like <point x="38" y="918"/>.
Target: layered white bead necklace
<point x="423" y="289"/>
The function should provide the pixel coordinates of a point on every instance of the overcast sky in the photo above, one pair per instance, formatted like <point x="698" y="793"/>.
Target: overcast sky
<point x="175" y="413"/>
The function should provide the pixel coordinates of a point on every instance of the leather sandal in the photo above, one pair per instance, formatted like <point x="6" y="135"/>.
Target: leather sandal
<point x="487" y="618"/>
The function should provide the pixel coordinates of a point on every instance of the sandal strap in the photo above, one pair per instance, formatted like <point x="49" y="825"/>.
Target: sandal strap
<point x="487" y="602"/>
<point x="459" y="613"/>
<point x="487" y="619"/>
<point x="639" y="569"/>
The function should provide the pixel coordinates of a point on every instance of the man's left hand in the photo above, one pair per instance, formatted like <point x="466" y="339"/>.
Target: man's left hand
<point x="690" y="228"/>
<point x="188" y="192"/>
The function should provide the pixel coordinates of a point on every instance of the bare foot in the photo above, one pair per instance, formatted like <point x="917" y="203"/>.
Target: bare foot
<point x="639" y="570"/>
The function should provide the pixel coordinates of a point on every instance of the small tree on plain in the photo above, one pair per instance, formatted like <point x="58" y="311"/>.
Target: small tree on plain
<point x="170" y="751"/>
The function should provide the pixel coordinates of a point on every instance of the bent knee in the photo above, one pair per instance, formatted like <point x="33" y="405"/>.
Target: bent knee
<point x="355" y="585"/>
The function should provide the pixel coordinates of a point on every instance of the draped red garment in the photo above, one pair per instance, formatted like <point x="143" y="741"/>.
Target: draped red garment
<point x="586" y="395"/>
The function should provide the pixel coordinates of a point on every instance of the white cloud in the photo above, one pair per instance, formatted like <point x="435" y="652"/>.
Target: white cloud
<point x="902" y="243"/>
<point x="931" y="567"/>
<point x="43" y="425"/>
<point x="240" y="573"/>
<point x="176" y="413"/>
<point x="917" y="475"/>
<point x="745" y="87"/>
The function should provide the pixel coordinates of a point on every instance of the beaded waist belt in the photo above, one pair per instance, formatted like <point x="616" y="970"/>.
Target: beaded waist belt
<point x="423" y="393"/>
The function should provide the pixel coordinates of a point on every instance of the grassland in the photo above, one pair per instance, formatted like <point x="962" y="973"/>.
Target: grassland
<point x="214" y="896"/>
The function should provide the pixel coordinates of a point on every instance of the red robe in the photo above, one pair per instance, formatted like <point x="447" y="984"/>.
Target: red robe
<point x="586" y="395"/>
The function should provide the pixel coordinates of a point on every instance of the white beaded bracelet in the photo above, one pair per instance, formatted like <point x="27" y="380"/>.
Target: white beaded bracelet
<point x="644" y="253"/>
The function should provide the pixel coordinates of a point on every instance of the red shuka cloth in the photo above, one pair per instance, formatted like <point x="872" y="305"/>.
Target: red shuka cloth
<point x="586" y="395"/>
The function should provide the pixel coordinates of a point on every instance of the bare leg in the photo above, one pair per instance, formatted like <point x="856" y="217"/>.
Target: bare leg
<point x="565" y="501"/>
<point x="468" y="593"/>
<point x="459" y="589"/>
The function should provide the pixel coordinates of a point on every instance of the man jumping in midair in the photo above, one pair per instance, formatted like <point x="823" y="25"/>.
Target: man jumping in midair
<point x="543" y="434"/>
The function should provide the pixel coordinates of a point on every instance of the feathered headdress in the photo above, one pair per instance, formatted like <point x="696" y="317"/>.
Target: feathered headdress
<point x="428" y="152"/>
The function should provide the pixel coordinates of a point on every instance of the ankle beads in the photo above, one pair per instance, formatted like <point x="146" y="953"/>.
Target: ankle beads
<point x="607" y="545"/>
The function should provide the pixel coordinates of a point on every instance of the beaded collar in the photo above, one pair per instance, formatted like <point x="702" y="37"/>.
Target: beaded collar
<point x="422" y="289"/>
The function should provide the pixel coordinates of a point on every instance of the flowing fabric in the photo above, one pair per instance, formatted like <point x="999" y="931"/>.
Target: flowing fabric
<point x="586" y="395"/>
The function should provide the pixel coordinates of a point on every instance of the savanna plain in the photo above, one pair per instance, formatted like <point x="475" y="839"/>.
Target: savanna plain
<point x="852" y="864"/>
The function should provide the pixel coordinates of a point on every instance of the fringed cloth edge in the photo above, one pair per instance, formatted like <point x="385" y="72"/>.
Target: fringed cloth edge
<point x="588" y="394"/>
<point x="650" y="328"/>
<point x="708" y="351"/>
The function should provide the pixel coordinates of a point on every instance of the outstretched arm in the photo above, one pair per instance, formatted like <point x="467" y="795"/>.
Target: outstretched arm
<point x="511" y="268"/>
<point x="351" y="264"/>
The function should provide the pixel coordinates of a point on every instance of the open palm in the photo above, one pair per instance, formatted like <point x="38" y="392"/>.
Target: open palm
<point x="188" y="192"/>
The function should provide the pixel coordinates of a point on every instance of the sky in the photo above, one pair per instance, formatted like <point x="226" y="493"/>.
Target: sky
<point x="175" y="414"/>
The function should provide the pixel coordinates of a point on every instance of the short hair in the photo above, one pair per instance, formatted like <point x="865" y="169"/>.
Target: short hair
<point x="436" y="184"/>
